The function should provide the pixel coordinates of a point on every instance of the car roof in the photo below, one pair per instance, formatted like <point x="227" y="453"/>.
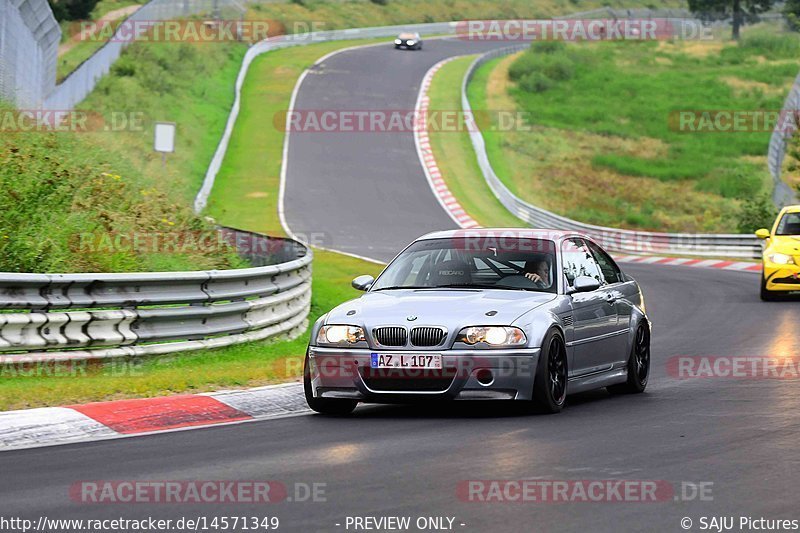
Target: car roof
<point x="521" y="233"/>
<point x="791" y="209"/>
<point x="407" y="35"/>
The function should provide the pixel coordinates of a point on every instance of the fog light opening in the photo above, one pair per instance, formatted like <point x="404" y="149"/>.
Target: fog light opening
<point x="485" y="377"/>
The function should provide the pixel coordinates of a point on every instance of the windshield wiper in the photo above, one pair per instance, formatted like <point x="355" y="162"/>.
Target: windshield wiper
<point x="456" y="286"/>
<point x="466" y="286"/>
<point x="486" y="286"/>
<point x="401" y="287"/>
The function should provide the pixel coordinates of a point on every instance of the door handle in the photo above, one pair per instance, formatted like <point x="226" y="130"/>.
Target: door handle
<point x="611" y="298"/>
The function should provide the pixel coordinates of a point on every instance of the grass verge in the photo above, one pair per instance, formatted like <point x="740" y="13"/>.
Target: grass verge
<point x="454" y="154"/>
<point x="630" y="168"/>
<point x="65" y="196"/>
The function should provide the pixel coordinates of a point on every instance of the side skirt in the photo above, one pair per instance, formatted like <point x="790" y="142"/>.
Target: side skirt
<point x="597" y="380"/>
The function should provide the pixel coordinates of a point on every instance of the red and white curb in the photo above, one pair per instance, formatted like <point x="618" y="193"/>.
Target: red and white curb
<point x="48" y="426"/>
<point x="426" y="157"/>
<point x="741" y="266"/>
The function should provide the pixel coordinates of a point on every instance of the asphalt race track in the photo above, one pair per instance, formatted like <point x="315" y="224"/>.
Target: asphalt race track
<point x="367" y="193"/>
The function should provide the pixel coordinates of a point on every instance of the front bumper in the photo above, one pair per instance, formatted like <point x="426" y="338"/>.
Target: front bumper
<point x="347" y="373"/>
<point x="783" y="278"/>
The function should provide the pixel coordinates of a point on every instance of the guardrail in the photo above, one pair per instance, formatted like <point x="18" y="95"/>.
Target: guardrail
<point x="616" y="240"/>
<point x="783" y="132"/>
<point x="89" y="316"/>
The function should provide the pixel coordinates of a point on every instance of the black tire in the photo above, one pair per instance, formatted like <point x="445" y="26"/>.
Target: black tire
<point x="325" y="406"/>
<point x="766" y="296"/>
<point x="550" y="383"/>
<point x="638" y="364"/>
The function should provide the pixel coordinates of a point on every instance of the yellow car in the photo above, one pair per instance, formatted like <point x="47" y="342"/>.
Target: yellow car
<point x="782" y="254"/>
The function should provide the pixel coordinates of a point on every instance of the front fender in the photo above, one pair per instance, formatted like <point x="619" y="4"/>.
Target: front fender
<point x="537" y="324"/>
<point x="315" y="329"/>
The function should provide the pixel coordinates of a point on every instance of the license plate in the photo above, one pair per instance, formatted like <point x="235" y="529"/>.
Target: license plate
<point x="421" y="361"/>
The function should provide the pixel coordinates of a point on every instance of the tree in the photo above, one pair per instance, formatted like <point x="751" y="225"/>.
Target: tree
<point x="757" y="212"/>
<point x="791" y="10"/>
<point x="740" y="10"/>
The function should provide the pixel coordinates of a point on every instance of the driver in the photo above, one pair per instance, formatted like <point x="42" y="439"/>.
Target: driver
<point x="538" y="271"/>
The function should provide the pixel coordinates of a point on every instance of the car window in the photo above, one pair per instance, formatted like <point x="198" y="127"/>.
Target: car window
<point x="578" y="261"/>
<point x="508" y="263"/>
<point x="789" y="224"/>
<point x="608" y="267"/>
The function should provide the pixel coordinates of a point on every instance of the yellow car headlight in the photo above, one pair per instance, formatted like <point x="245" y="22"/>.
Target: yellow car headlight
<point x="781" y="259"/>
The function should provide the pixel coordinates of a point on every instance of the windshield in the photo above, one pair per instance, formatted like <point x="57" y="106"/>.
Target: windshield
<point x="789" y="224"/>
<point x="484" y="263"/>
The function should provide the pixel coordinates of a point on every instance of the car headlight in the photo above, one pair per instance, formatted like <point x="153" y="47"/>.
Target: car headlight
<point x="492" y="335"/>
<point x="398" y="41"/>
<point x="340" y="335"/>
<point x="781" y="259"/>
<point x="411" y="43"/>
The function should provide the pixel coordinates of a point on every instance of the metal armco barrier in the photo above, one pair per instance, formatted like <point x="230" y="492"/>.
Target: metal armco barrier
<point x="617" y="240"/>
<point x="783" y="132"/>
<point x="110" y="315"/>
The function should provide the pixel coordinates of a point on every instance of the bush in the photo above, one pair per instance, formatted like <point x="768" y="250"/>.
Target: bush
<point x="522" y="66"/>
<point x="380" y="2"/>
<point x="536" y="82"/>
<point x="755" y="213"/>
<point x="558" y="68"/>
<point x="540" y="67"/>
<point x="547" y="47"/>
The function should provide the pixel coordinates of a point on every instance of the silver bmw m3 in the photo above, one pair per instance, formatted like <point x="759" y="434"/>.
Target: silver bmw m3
<point x="504" y="314"/>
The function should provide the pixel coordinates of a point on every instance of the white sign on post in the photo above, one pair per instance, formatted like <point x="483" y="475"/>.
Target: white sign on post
<point x="164" y="140"/>
<point x="164" y="137"/>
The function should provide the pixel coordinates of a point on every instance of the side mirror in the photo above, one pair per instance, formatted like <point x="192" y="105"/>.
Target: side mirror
<point x="363" y="283"/>
<point x="585" y="284"/>
<point x="762" y="233"/>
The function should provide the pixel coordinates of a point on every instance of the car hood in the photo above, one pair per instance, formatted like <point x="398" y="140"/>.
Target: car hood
<point x="786" y="244"/>
<point x="449" y="308"/>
